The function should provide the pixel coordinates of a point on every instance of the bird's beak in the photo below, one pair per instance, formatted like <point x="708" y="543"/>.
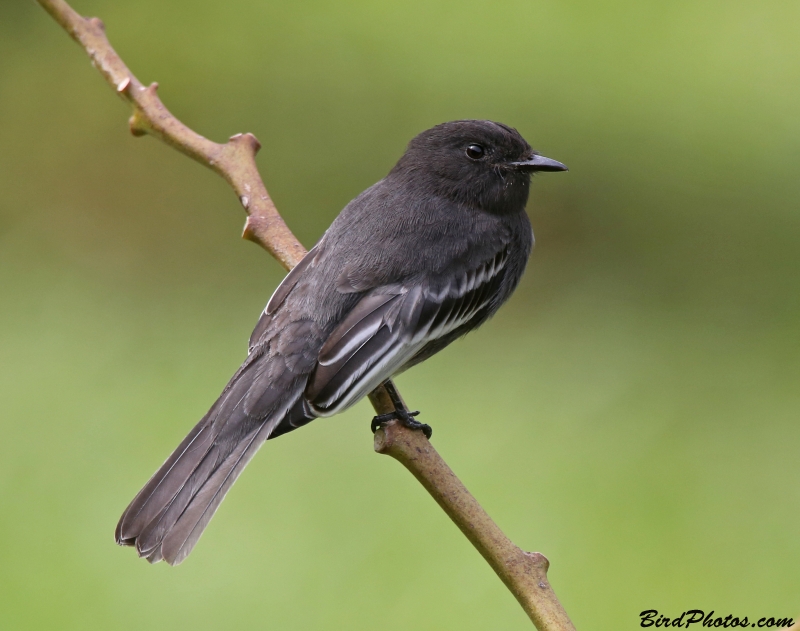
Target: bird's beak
<point x="539" y="163"/>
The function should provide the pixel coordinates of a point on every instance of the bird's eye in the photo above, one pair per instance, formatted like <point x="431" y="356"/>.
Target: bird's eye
<point x="475" y="152"/>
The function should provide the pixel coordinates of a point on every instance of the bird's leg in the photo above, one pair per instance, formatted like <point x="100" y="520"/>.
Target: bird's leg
<point x="400" y="414"/>
<point x="405" y="417"/>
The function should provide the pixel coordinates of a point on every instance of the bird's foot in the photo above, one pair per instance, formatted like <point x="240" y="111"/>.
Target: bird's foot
<point x="405" y="418"/>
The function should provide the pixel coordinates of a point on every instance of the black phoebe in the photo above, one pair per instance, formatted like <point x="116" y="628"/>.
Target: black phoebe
<point x="416" y="261"/>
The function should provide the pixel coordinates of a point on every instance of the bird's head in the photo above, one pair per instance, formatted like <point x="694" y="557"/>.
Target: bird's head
<point x="477" y="163"/>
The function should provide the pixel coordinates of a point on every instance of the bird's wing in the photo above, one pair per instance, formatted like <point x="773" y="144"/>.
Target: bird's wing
<point x="390" y="325"/>
<point x="281" y="293"/>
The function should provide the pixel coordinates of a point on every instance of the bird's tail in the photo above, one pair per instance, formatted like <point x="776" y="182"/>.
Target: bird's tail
<point x="167" y="517"/>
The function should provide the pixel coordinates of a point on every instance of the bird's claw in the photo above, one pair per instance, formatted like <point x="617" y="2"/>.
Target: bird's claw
<point x="405" y="418"/>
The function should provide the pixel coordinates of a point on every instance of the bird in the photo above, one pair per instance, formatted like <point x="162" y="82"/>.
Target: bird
<point x="414" y="262"/>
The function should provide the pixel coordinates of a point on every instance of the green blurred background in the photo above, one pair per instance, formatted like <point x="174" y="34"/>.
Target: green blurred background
<point x="632" y="412"/>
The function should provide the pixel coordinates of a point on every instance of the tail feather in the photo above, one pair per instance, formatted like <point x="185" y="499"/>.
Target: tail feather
<point x="155" y="495"/>
<point x="167" y="517"/>
<point x="183" y="536"/>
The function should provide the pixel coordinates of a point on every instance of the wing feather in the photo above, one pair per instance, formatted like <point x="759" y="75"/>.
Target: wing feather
<point x="281" y="293"/>
<point x="361" y="323"/>
<point x="390" y="325"/>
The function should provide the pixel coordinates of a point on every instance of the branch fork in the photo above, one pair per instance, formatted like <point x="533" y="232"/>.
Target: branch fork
<point x="524" y="573"/>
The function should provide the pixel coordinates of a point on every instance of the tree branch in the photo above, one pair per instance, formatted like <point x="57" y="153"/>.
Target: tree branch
<point x="524" y="573"/>
<point x="234" y="161"/>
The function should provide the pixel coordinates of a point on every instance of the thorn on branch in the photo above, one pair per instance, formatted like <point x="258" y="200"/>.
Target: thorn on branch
<point x="138" y="124"/>
<point x="249" y="232"/>
<point x="123" y="85"/>
<point x="253" y="142"/>
<point x="247" y="140"/>
<point x="539" y="560"/>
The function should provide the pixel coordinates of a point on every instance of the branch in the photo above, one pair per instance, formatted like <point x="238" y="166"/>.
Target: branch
<point x="524" y="573"/>
<point x="234" y="161"/>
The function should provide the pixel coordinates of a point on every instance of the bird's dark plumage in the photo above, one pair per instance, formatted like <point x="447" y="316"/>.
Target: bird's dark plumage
<point x="419" y="259"/>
